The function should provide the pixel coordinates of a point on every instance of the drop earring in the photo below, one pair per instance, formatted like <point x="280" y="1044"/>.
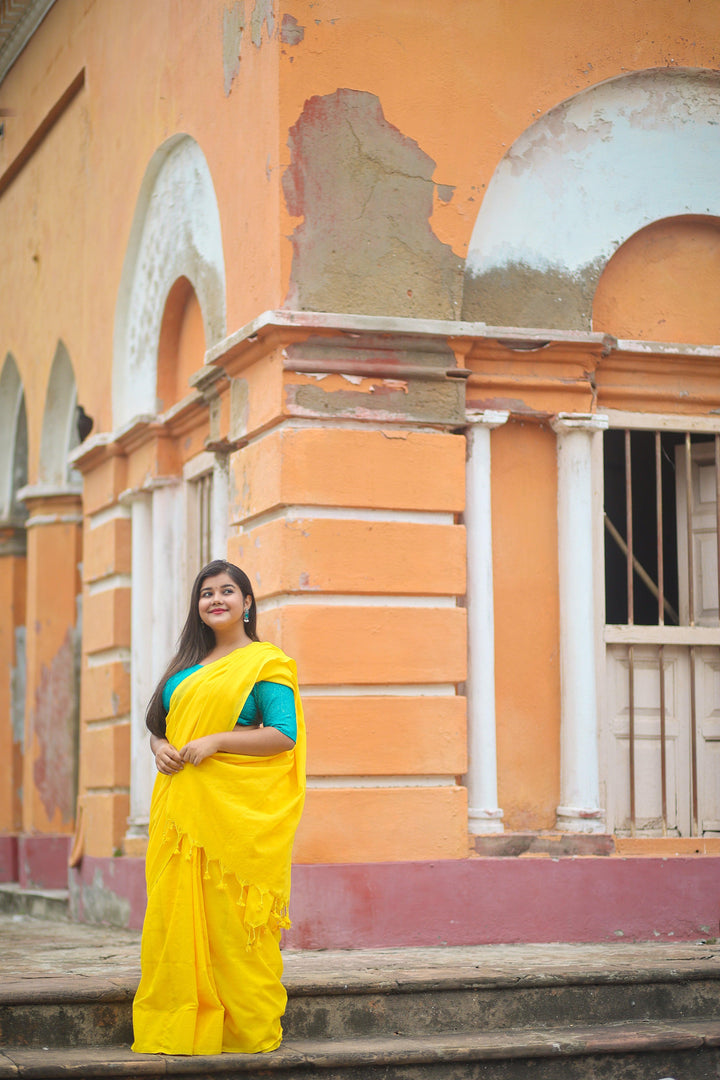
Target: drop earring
<point x="246" y="616"/>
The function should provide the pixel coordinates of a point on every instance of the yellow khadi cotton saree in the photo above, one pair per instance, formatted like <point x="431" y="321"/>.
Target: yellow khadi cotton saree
<point x="218" y="873"/>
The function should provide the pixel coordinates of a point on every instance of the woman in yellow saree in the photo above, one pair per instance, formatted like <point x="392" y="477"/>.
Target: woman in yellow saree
<point x="229" y="746"/>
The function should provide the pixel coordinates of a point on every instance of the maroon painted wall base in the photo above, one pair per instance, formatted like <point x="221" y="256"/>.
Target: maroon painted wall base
<point x="460" y="902"/>
<point x="42" y="861"/>
<point x="8" y="859"/>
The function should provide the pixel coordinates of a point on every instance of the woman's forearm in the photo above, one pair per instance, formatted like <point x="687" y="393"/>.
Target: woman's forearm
<point x="260" y="742"/>
<point x="255" y="742"/>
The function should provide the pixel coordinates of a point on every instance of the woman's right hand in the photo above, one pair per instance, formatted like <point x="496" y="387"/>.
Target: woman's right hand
<point x="167" y="759"/>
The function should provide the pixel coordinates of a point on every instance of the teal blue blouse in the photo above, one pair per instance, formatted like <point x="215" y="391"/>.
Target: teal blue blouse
<point x="269" y="703"/>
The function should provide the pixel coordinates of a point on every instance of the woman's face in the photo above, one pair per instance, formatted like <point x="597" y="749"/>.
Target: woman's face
<point x="221" y="604"/>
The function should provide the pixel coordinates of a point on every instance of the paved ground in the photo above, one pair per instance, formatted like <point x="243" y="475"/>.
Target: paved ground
<point x="34" y="949"/>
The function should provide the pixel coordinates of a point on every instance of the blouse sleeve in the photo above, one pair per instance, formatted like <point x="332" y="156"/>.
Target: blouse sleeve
<point x="277" y="707"/>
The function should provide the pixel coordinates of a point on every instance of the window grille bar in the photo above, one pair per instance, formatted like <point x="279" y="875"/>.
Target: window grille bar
<point x="661" y="622"/>
<point x="631" y="620"/>
<point x="691" y="622"/>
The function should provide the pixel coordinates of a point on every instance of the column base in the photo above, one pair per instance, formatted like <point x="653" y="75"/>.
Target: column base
<point x="579" y="819"/>
<point x="482" y="822"/>
<point x="135" y="841"/>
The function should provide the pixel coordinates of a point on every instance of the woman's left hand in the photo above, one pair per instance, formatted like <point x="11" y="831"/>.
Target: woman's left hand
<point x="196" y="751"/>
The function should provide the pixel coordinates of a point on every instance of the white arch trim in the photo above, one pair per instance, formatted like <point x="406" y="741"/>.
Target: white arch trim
<point x="175" y="232"/>
<point x="59" y="430"/>
<point x="13" y="472"/>
<point x="599" y="167"/>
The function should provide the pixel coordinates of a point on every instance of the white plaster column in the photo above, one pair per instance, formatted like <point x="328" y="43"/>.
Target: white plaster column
<point x="157" y="611"/>
<point x="220" y="506"/>
<point x="484" y="814"/>
<point x="141" y="675"/>
<point x="579" y="810"/>
<point x="169" y="599"/>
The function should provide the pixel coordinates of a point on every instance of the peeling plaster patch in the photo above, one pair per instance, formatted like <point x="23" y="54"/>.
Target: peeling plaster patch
<point x="233" y="26"/>
<point x="521" y="295"/>
<point x="262" y="15"/>
<point x="291" y="33"/>
<point x="445" y="192"/>
<point x="55" y="727"/>
<point x="365" y="192"/>
<point x="17" y="688"/>
<point x="433" y="402"/>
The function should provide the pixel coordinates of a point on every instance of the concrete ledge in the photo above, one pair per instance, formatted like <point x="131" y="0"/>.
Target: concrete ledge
<point x="50" y="904"/>
<point x="474" y="901"/>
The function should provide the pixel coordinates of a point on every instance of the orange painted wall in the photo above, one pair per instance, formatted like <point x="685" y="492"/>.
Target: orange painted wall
<point x="527" y="628"/>
<point x="663" y="284"/>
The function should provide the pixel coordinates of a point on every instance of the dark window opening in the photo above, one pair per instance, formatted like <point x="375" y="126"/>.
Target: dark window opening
<point x="647" y="532"/>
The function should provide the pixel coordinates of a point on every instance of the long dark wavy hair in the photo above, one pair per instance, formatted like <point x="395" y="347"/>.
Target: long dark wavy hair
<point x="196" y="639"/>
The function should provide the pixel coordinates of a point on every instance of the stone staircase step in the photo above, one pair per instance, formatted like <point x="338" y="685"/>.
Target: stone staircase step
<point x="332" y="996"/>
<point x="52" y="905"/>
<point x="645" y="1051"/>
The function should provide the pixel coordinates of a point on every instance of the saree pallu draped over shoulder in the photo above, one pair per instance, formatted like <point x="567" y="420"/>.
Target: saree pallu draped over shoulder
<point x="218" y="873"/>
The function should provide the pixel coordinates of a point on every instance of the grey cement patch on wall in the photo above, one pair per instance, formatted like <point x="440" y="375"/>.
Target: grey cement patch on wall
<point x="232" y="31"/>
<point x="419" y="400"/>
<point x="365" y="193"/>
<point x="521" y="295"/>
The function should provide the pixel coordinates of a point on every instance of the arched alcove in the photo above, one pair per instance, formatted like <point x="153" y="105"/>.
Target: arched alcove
<point x="59" y="430"/>
<point x="579" y="182"/>
<point x="182" y="343"/>
<point x="175" y="234"/>
<point x="663" y="283"/>
<point x="13" y="442"/>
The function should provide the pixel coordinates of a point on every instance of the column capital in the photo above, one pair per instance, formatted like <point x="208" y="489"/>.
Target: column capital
<point x="132" y="495"/>
<point x="489" y="418"/>
<point x="564" y="423"/>
<point x="51" y="504"/>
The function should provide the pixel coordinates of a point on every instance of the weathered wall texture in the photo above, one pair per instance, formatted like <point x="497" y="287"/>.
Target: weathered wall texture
<point x="365" y="193"/>
<point x="55" y="727"/>
<point x="582" y="180"/>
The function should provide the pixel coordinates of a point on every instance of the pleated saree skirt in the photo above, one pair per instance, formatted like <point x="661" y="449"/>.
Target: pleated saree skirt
<point x="208" y="984"/>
